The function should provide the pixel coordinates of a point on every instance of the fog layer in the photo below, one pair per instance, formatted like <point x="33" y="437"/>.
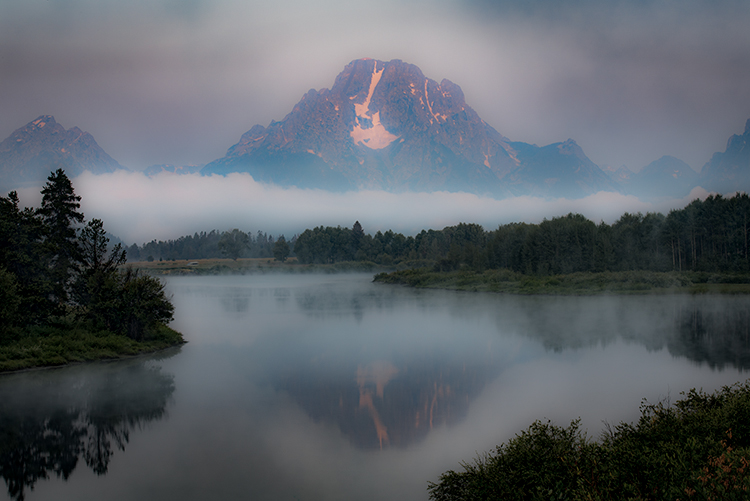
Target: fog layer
<point x="138" y="209"/>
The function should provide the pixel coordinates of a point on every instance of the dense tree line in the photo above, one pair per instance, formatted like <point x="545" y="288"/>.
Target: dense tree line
<point x="55" y="267"/>
<point x="708" y="235"/>
<point x="233" y="244"/>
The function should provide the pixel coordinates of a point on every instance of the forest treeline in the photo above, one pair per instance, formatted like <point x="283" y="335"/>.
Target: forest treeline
<point x="233" y="244"/>
<point x="57" y="271"/>
<point x="708" y="235"/>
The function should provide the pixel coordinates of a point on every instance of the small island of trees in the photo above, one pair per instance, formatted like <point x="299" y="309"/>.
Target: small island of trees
<point x="64" y="296"/>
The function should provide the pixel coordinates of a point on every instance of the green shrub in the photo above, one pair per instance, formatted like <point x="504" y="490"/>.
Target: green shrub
<point x="699" y="448"/>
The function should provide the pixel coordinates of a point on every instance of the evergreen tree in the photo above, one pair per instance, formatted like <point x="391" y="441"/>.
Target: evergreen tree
<point x="233" y="243"/>
<point x="95" y="287"/>
<point x="281" y="249"/>
<point x="60" y="214"/>
<point x="23" y="255"/>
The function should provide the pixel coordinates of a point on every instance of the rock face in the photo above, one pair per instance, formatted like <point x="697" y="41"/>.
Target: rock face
<point x="729" y="171"/>
<point x="30" y="153"/>
<point x="384" y="125"/>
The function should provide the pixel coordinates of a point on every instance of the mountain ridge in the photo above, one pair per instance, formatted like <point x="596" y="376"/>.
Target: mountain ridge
<point x="31" y="152"/>
<point x="384" y="125"/>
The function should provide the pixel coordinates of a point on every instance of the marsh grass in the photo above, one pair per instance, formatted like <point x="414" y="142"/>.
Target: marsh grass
<point x="243" y="266"/>
<point x="621" y="282"/>
<point x="68" y="342"/>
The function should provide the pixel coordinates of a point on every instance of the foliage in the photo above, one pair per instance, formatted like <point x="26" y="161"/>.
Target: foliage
<point x="24" y="254"/>
<point x="9" y="301"/>
<point x="60" y="214"/>
<point x="72" y="342"/>
<point x="143" y="305"/>
<point x="205" y="245"/>
<point x="53" y="272"/>
<point x="233" y="243"/>
<point x="709" y="236"/>
<point x="696" y="449"/>
<point x="582" y="283"/>
<point x="281" y="249"/>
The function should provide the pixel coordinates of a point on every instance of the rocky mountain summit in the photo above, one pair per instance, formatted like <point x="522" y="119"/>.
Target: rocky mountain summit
<point x="31" y="152"/>
<point x="384" y="125"/>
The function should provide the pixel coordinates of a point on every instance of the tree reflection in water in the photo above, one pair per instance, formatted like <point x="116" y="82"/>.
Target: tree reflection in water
<point x="51" y="419"/>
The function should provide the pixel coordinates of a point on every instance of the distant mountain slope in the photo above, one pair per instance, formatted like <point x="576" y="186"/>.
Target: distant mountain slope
<point x="384" y="125"/>
<point x="729" y="171"/>
<point x="666" y="177"/>
<point x="560" y="168"/>
<point x="154" y="170"/>
<point x="31" y="152"/>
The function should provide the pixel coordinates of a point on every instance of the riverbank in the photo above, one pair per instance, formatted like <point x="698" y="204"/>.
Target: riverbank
<point x="53" y="346"/>
<point x="244" y="266"/>
<point x="624" y="282"/>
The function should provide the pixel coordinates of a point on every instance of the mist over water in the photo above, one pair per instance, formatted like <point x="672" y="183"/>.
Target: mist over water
<point x="332" y="387"/>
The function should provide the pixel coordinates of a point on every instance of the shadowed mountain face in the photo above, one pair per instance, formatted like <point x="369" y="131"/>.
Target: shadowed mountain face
<point x="666" y="177"/>
<point x="730" y="171"/>
<point x="42" y="146"/>
<point x="384" y="125"/>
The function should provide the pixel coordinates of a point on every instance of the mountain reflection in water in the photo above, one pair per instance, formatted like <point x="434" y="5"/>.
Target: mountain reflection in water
<point x="379" y="404"/>
<point x="57" y="417"/>
<point x="395" y="401"/>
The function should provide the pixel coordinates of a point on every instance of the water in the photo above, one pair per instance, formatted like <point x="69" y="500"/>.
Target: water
<point x="327" y="387"/>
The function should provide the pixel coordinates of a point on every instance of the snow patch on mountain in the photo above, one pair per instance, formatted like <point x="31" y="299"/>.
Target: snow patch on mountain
<point x="367" y="130"/>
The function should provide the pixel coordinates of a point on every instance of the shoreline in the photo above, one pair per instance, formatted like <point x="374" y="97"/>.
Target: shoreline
<point x="37" y="350"/>
<point x="575" y="284"/>
<point x="145" y="354"/>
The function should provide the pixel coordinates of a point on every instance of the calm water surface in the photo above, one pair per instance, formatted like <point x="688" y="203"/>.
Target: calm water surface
<point x="328" y="387"/>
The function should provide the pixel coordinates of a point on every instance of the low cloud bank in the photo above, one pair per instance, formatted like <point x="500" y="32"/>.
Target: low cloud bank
<point x="139" y="209"/>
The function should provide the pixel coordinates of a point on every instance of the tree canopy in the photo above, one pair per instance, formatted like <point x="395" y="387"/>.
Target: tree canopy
<point x="53" y="268"/>
<point x="709" y="235"/>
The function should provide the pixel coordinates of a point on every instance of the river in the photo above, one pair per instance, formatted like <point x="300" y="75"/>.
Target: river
<point x="330" y="387"/>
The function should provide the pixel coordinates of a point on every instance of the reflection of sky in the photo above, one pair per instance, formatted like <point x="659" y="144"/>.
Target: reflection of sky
<point x="233" y="433"/>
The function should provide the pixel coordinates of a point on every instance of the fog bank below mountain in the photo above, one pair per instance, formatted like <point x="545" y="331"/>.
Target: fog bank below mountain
<point x="139" y="209"/>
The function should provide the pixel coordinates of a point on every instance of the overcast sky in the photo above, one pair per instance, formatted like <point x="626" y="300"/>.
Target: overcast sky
<point x="178" y="81"/>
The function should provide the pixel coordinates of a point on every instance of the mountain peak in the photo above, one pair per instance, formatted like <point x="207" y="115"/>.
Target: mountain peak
<point x="385" y="125"/>
<point x="43" y="120"/>
<point x="31" y="152"/>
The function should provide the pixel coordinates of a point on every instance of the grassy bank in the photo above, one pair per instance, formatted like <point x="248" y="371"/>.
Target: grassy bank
<point x="63" y="344"/>
<point x="625" y="282"/>
<point x="247" y="266"/>
<point x="698" y="448"/>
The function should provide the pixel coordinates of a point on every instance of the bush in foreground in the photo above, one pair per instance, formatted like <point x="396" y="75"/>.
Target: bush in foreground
<point x="698" y="448"/>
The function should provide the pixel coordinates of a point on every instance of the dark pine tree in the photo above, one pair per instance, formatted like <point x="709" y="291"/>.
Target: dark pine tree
<point x="60" y="214"/>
